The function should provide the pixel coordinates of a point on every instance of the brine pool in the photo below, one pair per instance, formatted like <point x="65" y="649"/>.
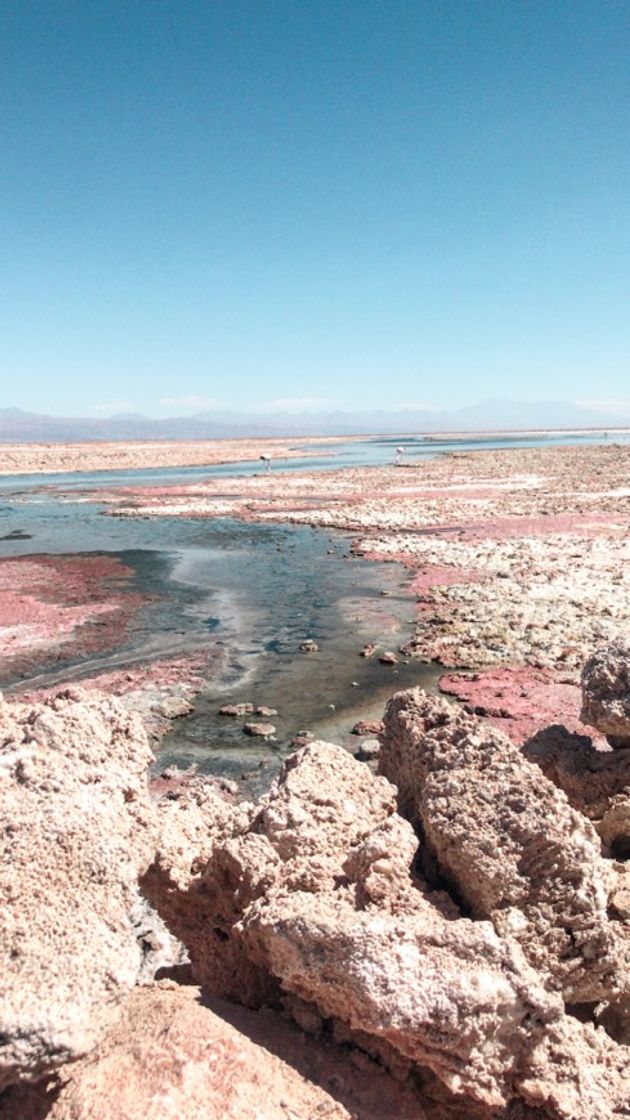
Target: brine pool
<point x="254" y="591"/>
<point x="257" y="592"/>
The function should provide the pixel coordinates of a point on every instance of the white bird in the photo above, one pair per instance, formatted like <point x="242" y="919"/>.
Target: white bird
<point x="400" y="451"/>
<point x="266" y="459"/>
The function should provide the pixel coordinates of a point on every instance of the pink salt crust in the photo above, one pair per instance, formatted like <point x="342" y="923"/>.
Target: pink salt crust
<point x="507" y="528"/>
<point x="500" y="528"/>
<point x="47" y="601"/>
<point x="441" y="575"/>
<point x="520" y="701"/>
<point x="189" y="669"/>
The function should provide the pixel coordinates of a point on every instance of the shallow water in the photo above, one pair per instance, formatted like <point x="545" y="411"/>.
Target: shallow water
<point x="258" y="591"/>
<point x="339" y="453"/>
<point x="255" y="590"/>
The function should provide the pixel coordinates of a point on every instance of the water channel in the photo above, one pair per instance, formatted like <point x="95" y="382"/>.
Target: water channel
<point x="256" y="591"/>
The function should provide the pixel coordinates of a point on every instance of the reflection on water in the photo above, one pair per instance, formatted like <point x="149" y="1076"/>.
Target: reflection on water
<point x="259" y="591"/>
<point x="341" y="453"/>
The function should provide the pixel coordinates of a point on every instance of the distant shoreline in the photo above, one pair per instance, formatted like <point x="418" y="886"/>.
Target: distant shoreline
<point x="85" y="456"/>
<point x="112" y="455"/>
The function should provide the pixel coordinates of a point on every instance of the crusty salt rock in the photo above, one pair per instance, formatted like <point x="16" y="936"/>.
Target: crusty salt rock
<point x="78" y="831"/>
<point x="194" y="896"/>
<point x="606" y="692"/>
<point x="322" y="805"/>
<point x="213" y="859"/>
<point x="367" y="727"/>
<point x="321" y="898"/>
<point x="508" y="841"/>
<point x="236" y="710"/>
<point x="451" y="995"/>
<point x="313" y="895"/>
<point x="175" y="1055"/>
<point x="589" y="777"/>
<point x="368" y="750"/>
<point x="576" y="1072"/>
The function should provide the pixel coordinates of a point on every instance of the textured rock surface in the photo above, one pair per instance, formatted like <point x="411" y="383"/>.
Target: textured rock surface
<point x="508" y="841"/>
<point x="76" y="834"/>
<point x="315" y="888"/>
<point x="590" y="778"/>
<point x="460" y="957"/>
<point x="450" y="995"/>
<point x="193" y="894"/>
<point x="606" y="692"/>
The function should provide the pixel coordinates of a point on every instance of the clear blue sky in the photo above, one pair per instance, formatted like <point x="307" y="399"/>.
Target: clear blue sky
<point x="342" y="201"/>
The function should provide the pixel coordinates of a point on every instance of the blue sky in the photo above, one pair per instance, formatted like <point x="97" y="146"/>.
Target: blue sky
<point x="326" y="204"/>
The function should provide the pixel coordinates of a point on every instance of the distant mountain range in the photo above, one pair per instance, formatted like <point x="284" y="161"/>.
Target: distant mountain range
<point x="493" y="415"/>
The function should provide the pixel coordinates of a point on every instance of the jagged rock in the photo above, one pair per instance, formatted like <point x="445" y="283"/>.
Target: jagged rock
<point x="190" y="891"/>
<point x="263" y="710"/>
<point x="315" y="889"/>
<point x="77" y="832"/>
<point x="576" y="1073"/>
<point x="589" y="777"/>
<point x="388" y="658"/>
<point x="411" y="980"/>
<point x="606" y="692"/>
<point x="508" y="841"/>
<point x="160" y="950"/>
<point x="173" y="707"/>
<point x="368" y="650"/>
<point x="311" y="900"/>
<point x="309" y="646"/>
<point x="596" y="782"/>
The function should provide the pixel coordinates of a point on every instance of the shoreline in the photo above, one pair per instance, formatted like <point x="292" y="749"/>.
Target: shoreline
<point x="517" y="559"/>
<point x="442" y="974"/>
<point x="520" y="556"/>
<point x="165" y="683"/>
<point x="110" y="455"/>
<point x="88" y="456"/>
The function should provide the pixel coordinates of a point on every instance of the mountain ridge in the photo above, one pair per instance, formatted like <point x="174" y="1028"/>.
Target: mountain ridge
<point x="20" y="426"/>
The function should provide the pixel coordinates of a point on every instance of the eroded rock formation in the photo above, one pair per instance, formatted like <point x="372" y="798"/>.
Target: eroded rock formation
<point x="77" y="832"/>
<point x="170" y="1057"/>
<point x="508" y="841"/>
<point x="315" y="889"/>
<point x="461" y="919"/>
<point x="606" y="692"/>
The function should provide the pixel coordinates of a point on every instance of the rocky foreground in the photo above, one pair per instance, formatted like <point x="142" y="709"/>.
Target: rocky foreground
<point x="447" y="939"/>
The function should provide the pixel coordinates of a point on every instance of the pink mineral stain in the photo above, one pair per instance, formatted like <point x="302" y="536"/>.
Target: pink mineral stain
<point x="520" y="701"/>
